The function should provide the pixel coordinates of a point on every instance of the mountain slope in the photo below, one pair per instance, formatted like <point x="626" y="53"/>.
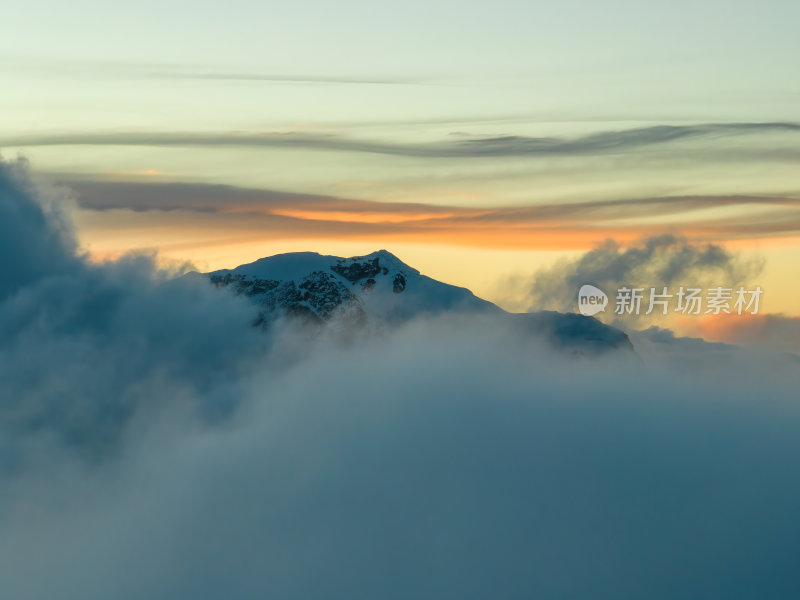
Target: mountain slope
<point x="378" y="285"/>
<point x="380" y="288"/>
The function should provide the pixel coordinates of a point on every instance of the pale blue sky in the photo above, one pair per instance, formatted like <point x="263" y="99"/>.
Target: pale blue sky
<point x="557" y="60"/>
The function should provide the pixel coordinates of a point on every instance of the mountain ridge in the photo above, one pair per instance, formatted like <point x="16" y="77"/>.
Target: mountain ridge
<point x="380" y="288"/>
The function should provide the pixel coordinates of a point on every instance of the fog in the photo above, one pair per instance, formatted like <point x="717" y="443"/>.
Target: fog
<point x="154" y="444"/>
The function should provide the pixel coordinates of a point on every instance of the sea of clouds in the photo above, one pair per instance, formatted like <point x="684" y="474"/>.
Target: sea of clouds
<point x="153" y="444"/>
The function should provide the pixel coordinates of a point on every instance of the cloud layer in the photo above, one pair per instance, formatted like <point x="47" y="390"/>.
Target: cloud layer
<point x="262" y="212"/>
<point x="499" y="146"/>
<point x="82" y="345"/>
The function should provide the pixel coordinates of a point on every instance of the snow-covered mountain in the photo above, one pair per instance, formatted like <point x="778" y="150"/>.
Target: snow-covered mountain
<point x="380" y="288"/>
<point x="378" y="285"/>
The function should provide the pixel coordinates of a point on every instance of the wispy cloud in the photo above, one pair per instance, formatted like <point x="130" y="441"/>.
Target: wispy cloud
<point x="498" y="146"/>
<point x="281" y="78"/>
<point x="559" y="225"/>
<point x="188" y="71"/>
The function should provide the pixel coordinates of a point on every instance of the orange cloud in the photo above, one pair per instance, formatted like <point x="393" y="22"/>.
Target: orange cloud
<point x="777" y="331"/>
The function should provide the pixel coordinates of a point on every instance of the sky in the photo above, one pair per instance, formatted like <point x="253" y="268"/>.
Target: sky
<point x="478" y="142"/>
<point x="154" y="444"/>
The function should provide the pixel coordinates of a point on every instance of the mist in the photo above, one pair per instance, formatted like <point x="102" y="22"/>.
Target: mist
<point x="155" y="444"/>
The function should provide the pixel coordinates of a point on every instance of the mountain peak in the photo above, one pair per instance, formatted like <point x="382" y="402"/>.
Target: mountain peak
<point x="321" y="286"/>
<point x="380" y="287"/>
<point x="296" y="265"/>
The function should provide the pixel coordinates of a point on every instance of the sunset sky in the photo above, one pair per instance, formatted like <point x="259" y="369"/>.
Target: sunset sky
<point x="476" y="142"/>
<point x="355" y="300"/>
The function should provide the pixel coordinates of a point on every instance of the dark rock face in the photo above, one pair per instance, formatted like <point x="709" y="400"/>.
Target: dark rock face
<point x="356" y="271"/>
<point x="323" y="293"/>
<point x="336" y="290"/>
<point x="318" y="296"/>
<point x="242" y="285"/>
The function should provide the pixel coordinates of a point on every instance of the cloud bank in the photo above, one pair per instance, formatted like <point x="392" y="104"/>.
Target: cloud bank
<point x="155" y="445"/>
<point x="498" y="146"/>
<point x="82" y="345"/>
<point x="260" y="212"/>
<point x="665" y="260"/>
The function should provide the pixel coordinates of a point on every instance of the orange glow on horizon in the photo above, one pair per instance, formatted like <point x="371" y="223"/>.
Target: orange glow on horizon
<point x="746" y="329"/>
<point x="212" y="240"/>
